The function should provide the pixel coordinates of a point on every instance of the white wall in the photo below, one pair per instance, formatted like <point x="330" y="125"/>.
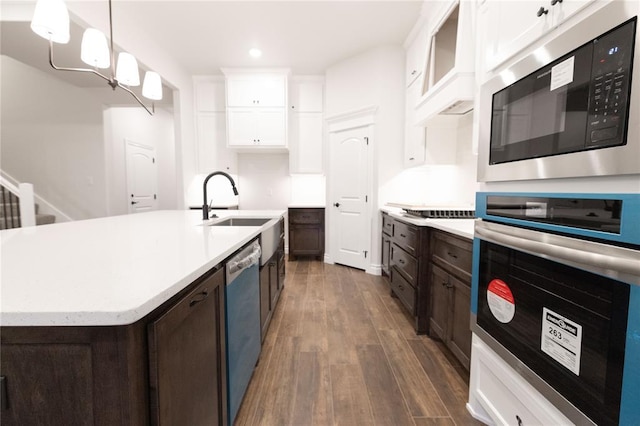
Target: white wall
<point x="136" y="125"/>
<point x="444" y="185"/>
<point x="52" y="136"/>
<point x="154" y="57"/>
<point x="264" y="181"/>
<point x="375" y="77"/>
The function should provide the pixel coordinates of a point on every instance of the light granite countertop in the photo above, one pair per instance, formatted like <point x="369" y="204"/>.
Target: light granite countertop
<point x="112" y="270"/>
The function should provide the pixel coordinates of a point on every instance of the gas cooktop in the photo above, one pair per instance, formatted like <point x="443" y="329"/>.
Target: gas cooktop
<point x="435" y="212"/>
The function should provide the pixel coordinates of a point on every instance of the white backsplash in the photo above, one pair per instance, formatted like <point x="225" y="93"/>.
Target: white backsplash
<point x="308" y="190"/>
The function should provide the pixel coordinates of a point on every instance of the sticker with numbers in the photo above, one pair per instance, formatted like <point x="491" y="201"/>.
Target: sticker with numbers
<point x="561" y="340"/>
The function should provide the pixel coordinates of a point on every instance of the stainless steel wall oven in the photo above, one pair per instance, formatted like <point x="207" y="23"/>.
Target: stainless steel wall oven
<point x="556" y="294"/>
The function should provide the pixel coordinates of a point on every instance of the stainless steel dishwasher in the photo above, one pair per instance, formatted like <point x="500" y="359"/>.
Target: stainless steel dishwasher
<point x="243" y="322"/>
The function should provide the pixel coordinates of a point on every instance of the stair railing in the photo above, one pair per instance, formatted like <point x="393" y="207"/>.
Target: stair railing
<point x="18" y="204"/>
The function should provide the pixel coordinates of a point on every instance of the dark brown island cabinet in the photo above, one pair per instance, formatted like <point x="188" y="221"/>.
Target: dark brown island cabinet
<point x="167" y="368"/>
<point x="272" y="276"/>
<point x="430" y="272"/>
<point x="306" y="232"/>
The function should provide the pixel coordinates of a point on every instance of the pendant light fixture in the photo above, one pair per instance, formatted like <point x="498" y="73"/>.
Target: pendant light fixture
<point x="51" y="21"/>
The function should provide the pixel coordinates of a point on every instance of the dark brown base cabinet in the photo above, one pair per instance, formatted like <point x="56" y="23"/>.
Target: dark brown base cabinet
<point x="271" y="284"/>
<point x="167" y="368"/>
<point x="306" y="232"/>
<point x="430" y="273"/>
<point x="451" y="293"/>
<point x="406" y="260"/>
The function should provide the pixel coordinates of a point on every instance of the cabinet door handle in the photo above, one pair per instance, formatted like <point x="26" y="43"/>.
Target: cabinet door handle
<point x="444" y="283"/>
<point x="403" y="236"/>
<point x="452" y="255"/>
<point x="198" y="298"/>
<point x="336" y="204"/>
<point x="134" y="202"/>
<point x="401" y="261"/>
<point x="4" y="400"/>
<point x="400" y="287"/>
<point x="554" y="2"/>
<point x="542" y="11"/>
<point x="519" y="420"/>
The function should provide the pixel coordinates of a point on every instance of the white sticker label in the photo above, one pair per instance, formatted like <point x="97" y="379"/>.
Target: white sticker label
<point x="561" y="340"/>
<point x="562" y="73"/>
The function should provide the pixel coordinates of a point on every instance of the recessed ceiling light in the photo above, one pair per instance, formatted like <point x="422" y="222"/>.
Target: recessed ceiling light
<point x="255" y="52"/>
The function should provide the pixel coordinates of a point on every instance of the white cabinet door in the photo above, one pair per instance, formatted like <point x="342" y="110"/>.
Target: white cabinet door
<point x="305" y="153"/>
<point x="253" y="90"/>
<point x="306" y="95"/>
<point x="414" y="136"/>
<point x="515" y="25"/>
<point x="416" y="54"/>
<point x="271" y="127"/>
<point x="213" y="153"/>
<point x="209" y="95"/>
<point x="241" y="127"/>
<point x="253" y="127"/>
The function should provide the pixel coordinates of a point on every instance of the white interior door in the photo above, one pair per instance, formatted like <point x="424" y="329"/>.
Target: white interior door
<point x="349" y="217"/>
<point x="142" y="179"/>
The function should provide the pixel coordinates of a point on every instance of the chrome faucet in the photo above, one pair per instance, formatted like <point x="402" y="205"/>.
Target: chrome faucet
<point x="205" y="206"/>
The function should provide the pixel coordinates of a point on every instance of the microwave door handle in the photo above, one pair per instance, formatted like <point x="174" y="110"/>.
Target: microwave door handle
<point x="611" y="261"/>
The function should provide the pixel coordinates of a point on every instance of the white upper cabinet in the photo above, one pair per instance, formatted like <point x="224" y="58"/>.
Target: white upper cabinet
<point x="306" y="94"/>
<point x="416" y="53"/>
<point x="256" y="127"/>
<point x="209" y="94"/>
<point x="512" y="26"/>
<point x="448" y="86"/>
<point x="256" y="104"/>
<point x="306" y="127"/>
<point x="414" y="135"/>
<point x="260" y="90"/>
<point x="211" y="135"/>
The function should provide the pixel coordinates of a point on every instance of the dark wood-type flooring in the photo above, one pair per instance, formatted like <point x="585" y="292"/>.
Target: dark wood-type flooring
<point x="341" y="351"/>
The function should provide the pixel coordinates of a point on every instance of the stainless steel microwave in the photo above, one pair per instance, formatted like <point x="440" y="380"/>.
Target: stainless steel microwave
<point x="571" y="108"/>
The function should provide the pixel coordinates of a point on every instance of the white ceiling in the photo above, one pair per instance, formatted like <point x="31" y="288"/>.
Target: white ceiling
<point x="307" y="36"/>
<point x="204" y="36"/>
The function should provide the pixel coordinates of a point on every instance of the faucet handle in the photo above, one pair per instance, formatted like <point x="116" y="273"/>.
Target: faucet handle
<point x="211" y="204"/>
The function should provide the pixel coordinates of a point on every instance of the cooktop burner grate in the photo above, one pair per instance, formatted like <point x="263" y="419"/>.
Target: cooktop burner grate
<point x="442" y="214"/>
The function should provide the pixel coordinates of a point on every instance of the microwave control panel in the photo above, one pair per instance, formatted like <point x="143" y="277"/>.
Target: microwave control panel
<point x="610" y="85"/>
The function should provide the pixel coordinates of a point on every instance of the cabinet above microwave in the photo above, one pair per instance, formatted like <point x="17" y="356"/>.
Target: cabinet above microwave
<point x="448" y="84"/>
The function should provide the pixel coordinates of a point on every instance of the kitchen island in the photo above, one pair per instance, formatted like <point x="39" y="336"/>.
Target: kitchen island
<point x="89" y="309"/>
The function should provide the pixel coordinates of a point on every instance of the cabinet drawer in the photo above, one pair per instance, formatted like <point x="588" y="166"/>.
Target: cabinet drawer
<point x="405" y="291"/>
<point x="406" y="236"/>
<point x="387" y="225"/>
<point x="306" y="216"/>
<point x="453" y="252"/>
<point x="405" y="263"/>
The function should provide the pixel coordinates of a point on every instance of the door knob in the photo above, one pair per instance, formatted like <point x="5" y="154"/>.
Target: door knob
<point x="336" y="204"/>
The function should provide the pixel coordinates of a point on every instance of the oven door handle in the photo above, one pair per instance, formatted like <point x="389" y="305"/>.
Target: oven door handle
<point x="603" y="259"/>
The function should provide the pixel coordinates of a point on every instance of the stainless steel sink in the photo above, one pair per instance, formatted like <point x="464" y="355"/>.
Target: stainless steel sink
<point x="269" y="238"/>
<point x="242" y="221"/>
